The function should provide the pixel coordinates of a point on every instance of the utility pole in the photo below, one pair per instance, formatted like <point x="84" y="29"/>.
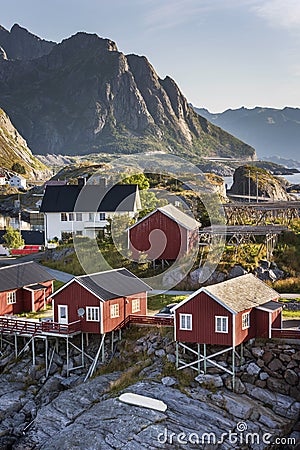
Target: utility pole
<point x="249" y="186"/>
<point x="256" y="187"/>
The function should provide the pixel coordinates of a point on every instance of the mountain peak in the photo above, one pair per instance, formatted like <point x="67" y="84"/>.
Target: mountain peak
<point x="19" y="43"/>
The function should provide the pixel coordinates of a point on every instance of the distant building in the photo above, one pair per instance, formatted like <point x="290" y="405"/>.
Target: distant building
<point x="3" y="181"/>
<point x="176" y="234"/>
<point x="17" y="181"/>
<point x="71" y="209"/>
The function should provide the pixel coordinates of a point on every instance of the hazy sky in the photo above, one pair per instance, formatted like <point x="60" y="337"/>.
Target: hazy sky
<point x="222" y="53"/>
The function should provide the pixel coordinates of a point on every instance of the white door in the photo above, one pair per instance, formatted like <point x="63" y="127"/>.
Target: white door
<point x="62" y="314"/>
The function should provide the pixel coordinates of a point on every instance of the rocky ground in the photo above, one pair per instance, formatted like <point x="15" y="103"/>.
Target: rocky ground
<point x="66" y="413"/>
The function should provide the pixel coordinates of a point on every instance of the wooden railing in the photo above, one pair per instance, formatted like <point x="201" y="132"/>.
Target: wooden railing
<point x="32" y="327"/>
<point x="284" y="333"/>
<point x="146" y="320"/>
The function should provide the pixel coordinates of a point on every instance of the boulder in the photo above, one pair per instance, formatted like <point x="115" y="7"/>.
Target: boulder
<point x="257" y="352"/>
<point x="214" y="381"/>
<point x="168" y="381"/>
<point x="236" y="271"/>
<point x="276" y="385"/>
<point x="275" y="365"/>
<point x="291" y="377"/>
<point x="253" y="369"/>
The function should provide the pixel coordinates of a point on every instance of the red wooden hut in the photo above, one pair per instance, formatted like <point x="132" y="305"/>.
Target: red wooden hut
<point x="165" y="234"/>
<point x="228" y="314"/>
<point x="101" y="301"/>
<point x="24" y="287"/>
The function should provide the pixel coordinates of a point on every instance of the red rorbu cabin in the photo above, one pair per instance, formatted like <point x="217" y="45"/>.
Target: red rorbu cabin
<point x="228" y="313"/>
<point x="101" y="301"/>
<point x="24" y="287"/>
<point x="164" y="234"/>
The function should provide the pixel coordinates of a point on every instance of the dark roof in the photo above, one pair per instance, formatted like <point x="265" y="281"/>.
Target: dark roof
<point x="36" y="287"/>
<point x="30" y="237"/>
<point x="20" y="275"/>
<point x="272" y="306"/>
<point x="111" y="284"/>
<point x="120" y="197"/>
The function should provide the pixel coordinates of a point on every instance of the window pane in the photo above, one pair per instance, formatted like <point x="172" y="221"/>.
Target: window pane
<point x="78" y="217"/>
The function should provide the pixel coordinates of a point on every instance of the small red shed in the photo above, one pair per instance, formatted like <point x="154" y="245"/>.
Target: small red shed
<point x="101" y="301"/>
<point x="228" y="313"/>
<point x="164" y="234"/>
<point x="24" y="287"/>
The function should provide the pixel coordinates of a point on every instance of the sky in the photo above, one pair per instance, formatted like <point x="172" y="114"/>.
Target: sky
<point x="222" y="53"/>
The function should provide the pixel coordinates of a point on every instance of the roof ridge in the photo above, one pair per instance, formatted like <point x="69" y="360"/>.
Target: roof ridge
<point x="18" y="264"/>
<point x="103" y="271"/>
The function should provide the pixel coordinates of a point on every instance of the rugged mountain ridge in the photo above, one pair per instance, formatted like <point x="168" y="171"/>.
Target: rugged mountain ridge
<point x="18" y="43"/>
<point x="14" y="149"/>
<point x="270" y="131"/>
<point x="85" y="96"/>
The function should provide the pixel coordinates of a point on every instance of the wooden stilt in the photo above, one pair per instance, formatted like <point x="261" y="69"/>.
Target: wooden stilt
<point x="233" y="369"/>
<point x="82" y="350"/>
<point x="87" y="339"/>
<point x="242" y="353"/>
<point x="112" y="342"/>
<point x="204" y="361"/>
<point x="199" y="355"/>
<point x="67" y="342"/>
<point x="33" y="351"/>
<point x="46" y="354"/>
<point x="102" y="353"/>
<point x="177" y="356"/>
<point x="16" y="345"/>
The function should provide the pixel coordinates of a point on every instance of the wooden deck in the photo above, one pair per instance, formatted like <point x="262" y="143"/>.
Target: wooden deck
<point x="146" y="320"/>
<point x="284" y="333"/>
<point x="10" y="325"/>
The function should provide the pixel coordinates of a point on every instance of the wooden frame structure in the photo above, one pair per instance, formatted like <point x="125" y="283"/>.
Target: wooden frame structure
<point x="239" y="235"/>
<point x="238" y="213"/>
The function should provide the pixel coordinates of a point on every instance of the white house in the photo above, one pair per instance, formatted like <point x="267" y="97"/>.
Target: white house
<point x="17" y="181"/>
<point x="2" y="180"/>
<point x="85" y="210"/>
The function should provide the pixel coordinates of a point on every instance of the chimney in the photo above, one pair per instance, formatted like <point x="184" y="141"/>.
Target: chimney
<point x="81" y="181"/>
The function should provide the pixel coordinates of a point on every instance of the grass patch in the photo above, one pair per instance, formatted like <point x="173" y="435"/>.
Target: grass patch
<point x="291" y="314"/>
<point x="159" y="301"/>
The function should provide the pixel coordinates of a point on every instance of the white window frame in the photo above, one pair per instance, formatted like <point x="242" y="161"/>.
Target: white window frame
<point x="92" y="217"/>
<point x="71" y="217"/>
<point x="11" y="298"/>
<point x="114" y="310"/>
<point x="102" y="216"/>
<point x="63" y="217"/>
<point x="78" y="217"/>
<point x="183" y="322"/>
<point x="136" y="305"/>
<point x="224" y="320"/>
<point x="246" y="320"/>
<point x="92" y="314"/>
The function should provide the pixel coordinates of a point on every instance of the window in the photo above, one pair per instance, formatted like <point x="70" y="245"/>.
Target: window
<point x="114" y="311"/>
<point x="71" y="217"/>
<point x="185" y="321"/>
<point x="246" y="321"/>
<point x="221" y="324"/>
<point x="79" y="233"/>
<point x="92" y="314"/>
<point x="102" y="216"/>
<point x="136" y="305"/>
<point x="79" y="217"/>
<point x="11" y="298"/>
<point x="91" y="217"/>
<point x="63" y="217"/>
